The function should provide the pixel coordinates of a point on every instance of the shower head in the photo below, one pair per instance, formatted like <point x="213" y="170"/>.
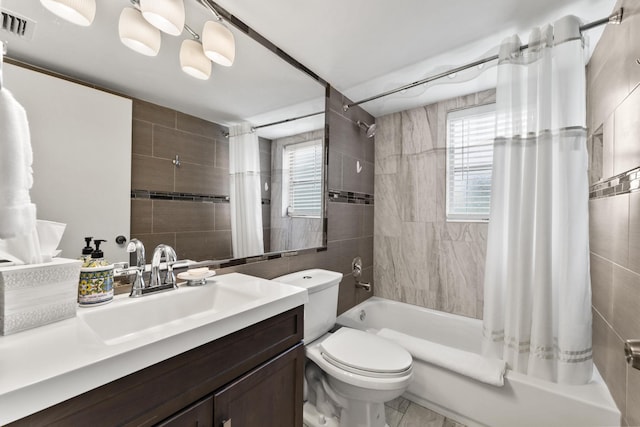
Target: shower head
<point x="371" y="129"/>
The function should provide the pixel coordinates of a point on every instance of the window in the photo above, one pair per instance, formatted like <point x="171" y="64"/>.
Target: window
<point x="470" y="134"/>
<point x="302" y="183"/>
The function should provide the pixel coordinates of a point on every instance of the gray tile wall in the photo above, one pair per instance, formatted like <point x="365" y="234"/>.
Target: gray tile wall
<point x="613" y="116"/>
<point x="419" y="257"/>
<point x="196" y="229"/>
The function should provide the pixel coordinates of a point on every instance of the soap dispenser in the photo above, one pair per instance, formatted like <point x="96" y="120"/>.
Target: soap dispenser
<point x="96" y="278"/>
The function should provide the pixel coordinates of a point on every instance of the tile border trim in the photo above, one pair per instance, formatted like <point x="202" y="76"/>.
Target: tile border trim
<point x="184" y="197"/>
<point x="337" y="196"/>
<point x="624" y="183"/>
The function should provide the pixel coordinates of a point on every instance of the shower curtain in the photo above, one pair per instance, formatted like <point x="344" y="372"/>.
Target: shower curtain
<point x="245" y="194"/>
<point x="537" y="306"/>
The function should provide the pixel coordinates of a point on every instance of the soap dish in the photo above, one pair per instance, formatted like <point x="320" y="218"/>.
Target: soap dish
<point x="196" y="277"/>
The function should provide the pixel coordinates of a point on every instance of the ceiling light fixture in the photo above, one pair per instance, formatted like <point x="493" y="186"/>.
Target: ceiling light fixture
<point x="137" y="34"/>
<point x="218" y="42"/>
<point x="193" y="60"/>
<point x="166" y="15"/>
<point x="79" y="12"/>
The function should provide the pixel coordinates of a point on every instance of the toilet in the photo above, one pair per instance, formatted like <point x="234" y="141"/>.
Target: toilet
<point x="349" y="373"/>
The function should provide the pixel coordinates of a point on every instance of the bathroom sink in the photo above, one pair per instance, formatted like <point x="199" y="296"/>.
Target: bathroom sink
<point x="104" y="343"/>
<point x="129" y="318"/>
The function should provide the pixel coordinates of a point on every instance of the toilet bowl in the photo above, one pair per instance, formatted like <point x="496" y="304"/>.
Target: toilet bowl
<point x="350" y="373"/>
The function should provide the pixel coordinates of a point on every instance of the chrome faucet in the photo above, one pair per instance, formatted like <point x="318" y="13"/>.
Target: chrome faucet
<point x="136" y="246"/>
<point x="170" y="259"/>
<point x="156" y="284"/>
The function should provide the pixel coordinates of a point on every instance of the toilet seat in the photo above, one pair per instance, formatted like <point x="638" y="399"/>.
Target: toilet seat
<point x="362" y="353"/>
<point x="355" y="375"/>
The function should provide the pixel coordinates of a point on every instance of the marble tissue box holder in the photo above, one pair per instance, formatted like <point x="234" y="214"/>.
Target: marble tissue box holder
<point x="37" y="294"/>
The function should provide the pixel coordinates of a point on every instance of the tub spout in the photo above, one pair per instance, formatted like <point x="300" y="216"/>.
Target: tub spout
<point x="365" y="286"/>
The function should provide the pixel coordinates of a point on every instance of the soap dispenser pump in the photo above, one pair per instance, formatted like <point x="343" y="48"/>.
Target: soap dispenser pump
<point x="97" y="253"/>
<point x="87" y="250"/>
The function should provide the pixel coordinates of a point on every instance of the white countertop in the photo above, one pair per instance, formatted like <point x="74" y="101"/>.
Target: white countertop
<point x="47" y="365"/>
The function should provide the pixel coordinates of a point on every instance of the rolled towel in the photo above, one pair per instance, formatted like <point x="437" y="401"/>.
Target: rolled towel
<point x="473" y="365"/>
<point x="17" y="213"/>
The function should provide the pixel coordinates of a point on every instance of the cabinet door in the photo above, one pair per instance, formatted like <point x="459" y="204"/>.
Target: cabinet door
<point x="268" y="396"/>
<point x="200" y="414"/>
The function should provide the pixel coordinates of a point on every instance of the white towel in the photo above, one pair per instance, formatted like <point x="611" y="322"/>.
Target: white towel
<point x="17" y="213"/>
<point x="473" y="365"/>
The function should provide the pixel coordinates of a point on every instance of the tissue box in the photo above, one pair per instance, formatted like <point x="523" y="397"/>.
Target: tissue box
<point x="37" y="294"/>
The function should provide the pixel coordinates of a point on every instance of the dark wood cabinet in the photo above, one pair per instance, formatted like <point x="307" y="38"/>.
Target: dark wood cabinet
<point x="253" y="376"/>
<point x="200" y="414"/>
<point x="269" y="396"/>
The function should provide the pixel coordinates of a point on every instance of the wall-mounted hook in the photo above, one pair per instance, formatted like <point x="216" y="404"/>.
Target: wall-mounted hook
<point x="176" y="161"/>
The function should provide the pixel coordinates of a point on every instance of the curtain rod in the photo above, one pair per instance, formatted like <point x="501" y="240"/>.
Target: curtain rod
<point x="279" y="122"/>
<point x="615" y="18"/>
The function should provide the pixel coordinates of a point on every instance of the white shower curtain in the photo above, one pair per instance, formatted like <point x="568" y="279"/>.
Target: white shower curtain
<point x="537" y="306"/>
<point x="245" y="194"/>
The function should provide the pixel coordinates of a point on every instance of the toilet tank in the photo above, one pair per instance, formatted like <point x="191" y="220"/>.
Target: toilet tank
<point x="320" y="311"/>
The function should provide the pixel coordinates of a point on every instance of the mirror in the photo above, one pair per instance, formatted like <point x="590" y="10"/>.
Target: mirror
<point x="259" y="88"/>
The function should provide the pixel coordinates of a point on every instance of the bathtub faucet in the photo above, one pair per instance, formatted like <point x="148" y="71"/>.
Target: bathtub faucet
<point x="356" y="265"/>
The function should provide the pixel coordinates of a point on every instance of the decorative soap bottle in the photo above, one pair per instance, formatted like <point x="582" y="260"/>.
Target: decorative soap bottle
<point x="96" y="278"/>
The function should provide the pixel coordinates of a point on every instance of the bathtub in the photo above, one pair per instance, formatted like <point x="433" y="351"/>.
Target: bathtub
<point x="522" y="401"/>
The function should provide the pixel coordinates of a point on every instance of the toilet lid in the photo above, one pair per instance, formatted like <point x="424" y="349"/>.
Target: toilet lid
<point x="365" y="353"/>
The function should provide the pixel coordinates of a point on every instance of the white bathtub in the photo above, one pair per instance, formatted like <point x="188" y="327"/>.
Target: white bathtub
<point x="522" y="401"/>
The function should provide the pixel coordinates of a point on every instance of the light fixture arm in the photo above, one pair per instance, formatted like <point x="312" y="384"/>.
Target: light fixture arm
<point x="195" y="35"/>
<point x="208" y="5"/>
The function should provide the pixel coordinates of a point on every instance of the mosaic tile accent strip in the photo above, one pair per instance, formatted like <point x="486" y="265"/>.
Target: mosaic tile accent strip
<point x="185" y="197"/>
<point x="350" y="197"/>
<point x="626" y="182"/>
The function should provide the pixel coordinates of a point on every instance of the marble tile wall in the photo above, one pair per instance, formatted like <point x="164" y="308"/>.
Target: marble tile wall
<point x="613" y="103"/>
<point x="419" y="257"/>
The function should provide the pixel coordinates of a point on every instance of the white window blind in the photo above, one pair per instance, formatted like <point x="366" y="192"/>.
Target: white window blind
<point x="470" y="135"/>
<point x="303" y="179"/>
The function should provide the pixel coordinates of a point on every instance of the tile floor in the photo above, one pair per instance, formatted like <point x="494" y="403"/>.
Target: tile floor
<point x="404" y="413"/>
<point x="401" y="412"/>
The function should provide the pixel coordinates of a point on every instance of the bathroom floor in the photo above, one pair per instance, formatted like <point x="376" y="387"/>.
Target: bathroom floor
<point x="401" y="412"/>
<point x="404" y="413"/>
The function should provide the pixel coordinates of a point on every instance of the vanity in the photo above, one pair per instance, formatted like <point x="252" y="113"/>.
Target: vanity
<point x="226" y="353"/>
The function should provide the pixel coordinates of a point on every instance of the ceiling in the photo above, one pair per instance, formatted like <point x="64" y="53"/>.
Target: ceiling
<point x="362" y="47"/>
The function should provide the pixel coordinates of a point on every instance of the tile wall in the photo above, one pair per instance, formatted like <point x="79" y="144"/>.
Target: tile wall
<point x="419" y="257"/>
<point x="613" y="78"/>
<point x="350" y="212"/>
<point x="185" y="206"/>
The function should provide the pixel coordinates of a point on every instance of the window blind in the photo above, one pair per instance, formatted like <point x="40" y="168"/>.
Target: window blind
<point x="470" y="135"/>
<point x="304" y="181"/>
